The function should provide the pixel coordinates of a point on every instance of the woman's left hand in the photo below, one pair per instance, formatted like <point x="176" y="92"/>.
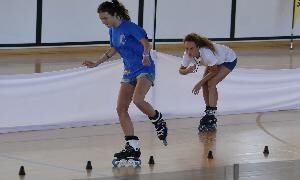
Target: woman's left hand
<point x="197" y="88"/>
<point x="146" y="61"/>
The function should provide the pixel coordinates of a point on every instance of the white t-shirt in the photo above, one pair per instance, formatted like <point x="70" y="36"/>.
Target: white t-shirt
<point x="208" y="58"/>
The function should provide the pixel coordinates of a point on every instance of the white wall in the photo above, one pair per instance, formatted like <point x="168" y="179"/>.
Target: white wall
<point x="77" y="20"/>
<point x="264" y="18"/>
<point x="176" y="18"/>
<point x="17" y="21"/>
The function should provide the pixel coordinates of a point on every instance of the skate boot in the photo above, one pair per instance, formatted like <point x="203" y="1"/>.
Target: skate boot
<point x="160" y="126"/>
<point x="208" y="123"/>
<point x="130" y="155"/>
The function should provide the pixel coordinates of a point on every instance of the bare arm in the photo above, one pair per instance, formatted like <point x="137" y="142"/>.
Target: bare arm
<point x="146" y="54"/>
<point x="212" y="71"/>
<point x="186" y="70"/>
<point x="106" y="56"/>
<point x="146" y="45"/>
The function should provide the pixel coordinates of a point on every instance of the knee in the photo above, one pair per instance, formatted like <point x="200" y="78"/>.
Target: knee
<point x="211" y="84"/>
<point x="138" y="101"/>
<point x="121" y="110"/>
<point x="205" y="85"/>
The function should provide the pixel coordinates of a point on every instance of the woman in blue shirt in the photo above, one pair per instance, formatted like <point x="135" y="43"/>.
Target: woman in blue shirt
<point x="131" y="42"/>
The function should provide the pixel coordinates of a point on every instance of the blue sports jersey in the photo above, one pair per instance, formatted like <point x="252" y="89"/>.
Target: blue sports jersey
<point x="126" y="40"/>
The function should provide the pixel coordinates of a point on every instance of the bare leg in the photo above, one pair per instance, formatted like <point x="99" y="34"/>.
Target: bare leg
<point x="208" y="122"/>
<point x="205" y="89"/>
<point x="212" y="85"/>
<point x="124" y="100"/>
<point x="141" y="89"/>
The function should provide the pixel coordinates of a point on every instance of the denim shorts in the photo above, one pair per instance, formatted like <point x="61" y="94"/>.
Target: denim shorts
<point x="133" y="81"/>
<point x="229" y="65"/>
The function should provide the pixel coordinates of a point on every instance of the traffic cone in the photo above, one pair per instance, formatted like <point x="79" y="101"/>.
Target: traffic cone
<point x="88" y="165"/>
<point x="22" y="171"/>
<point x="210" y="155"/>
<point x="151" y="160"/>
<point x="266" y="150"/>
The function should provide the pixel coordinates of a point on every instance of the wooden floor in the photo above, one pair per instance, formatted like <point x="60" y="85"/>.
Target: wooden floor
<point x="262" y="55"/>
<point x="240" y="139"/>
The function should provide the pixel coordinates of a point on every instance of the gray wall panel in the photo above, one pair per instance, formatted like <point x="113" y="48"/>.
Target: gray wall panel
<point x="263" y="18"/>
<point x="77" y="20"/>
<point x="17" y="21"/>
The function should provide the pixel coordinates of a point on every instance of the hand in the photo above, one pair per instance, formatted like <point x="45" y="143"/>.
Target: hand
<point x="146" y="61"/>
<point x="197" y="88"/>
<point x="191" y="69"/>
<point x="90" y="64"/>
<point x="213" y="69"/>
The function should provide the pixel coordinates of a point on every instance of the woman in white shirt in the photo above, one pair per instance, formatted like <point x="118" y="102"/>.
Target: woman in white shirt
<point x="219" y="61"/>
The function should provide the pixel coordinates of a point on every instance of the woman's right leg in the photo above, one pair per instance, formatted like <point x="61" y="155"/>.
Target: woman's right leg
<point x="205" y="90"/>
<point x="212" y="85"/>
<point x="141" y="89"/>
<point x="124" y="99"/>
<point x="204" y="121"/>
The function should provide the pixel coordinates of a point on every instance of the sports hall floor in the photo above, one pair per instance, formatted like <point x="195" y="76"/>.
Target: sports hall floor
<point x="62" y="154"/>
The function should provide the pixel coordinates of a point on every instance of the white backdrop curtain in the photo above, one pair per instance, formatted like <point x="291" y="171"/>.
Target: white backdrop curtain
<point x="81" y="97"/>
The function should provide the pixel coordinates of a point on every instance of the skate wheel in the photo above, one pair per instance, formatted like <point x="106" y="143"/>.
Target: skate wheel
<point x="212" y="128"/>
<point x="202" y="128"/>
<point x="115" y="162"/>
<point x="134" y="162"/>
<point x="122" y="162"/>
<point x="165" y="142"/>
<point x="131" y="163"/>
<point x="138" y="162"/>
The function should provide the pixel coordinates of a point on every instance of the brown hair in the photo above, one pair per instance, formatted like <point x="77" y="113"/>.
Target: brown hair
<point x="200" y="41"/>
<point x="114" y="7"/>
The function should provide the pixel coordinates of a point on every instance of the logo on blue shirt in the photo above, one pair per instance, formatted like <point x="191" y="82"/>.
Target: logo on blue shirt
<point x="122" y="39"/>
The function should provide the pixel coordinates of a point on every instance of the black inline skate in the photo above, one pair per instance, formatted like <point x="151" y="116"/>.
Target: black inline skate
<point x="130" y="155"/>
<point x="208" y="123"/>
<point x="160" y="126"/>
